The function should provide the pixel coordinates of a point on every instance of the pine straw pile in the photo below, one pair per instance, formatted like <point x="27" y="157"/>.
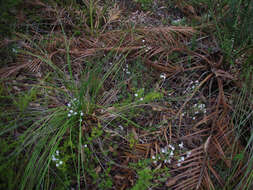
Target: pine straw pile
<point x="193" y="132"/>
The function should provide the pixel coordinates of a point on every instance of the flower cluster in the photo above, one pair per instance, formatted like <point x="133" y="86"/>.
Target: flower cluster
<point x="201" y="107"/>
<point x="139" y="94"/>
<point x="56" y="159"/>
<point x="72" y="108"/>
<point x="126" y="70"/>
<point x="169" y="154"/>
<point x="192" y="86"/>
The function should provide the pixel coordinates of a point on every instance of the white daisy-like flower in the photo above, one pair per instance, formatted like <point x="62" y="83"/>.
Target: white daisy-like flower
<point x="69" y="114"/>
<point x="141" y="99"/>
<point x="110" y="63"/>
<point x="194" y="118"/>
<point x="171" y="153"/>
<point x="143" y="41"/>
<point x="153" y="157"/>
<point x="155" y="162"/>
<point x="181" y="145"/>
<point x="163" y="150"/>
<point x="57" y="152"/>
<point x="71" y="111"/>
<point x="75" y="113"/>
<point x="85" y="146"/>
<point x="135" y="94"/>
<point x="61" y="162"/>
<point x="159" y="157"/>
<point x="178" y="164"/>
<point x="182" y="158"/>
<point x="81" y="113"/>
<point x="57" y="165"/>
<point x="75" y="99"/>
<point x="69" y="104"/>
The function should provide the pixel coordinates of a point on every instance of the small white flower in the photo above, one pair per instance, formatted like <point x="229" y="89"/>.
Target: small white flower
<point x="196" y="81"/>
<point x="141" y="99"/>
<point x="178" y="164"/>
<point x="194" y="118"/>
<point x="57" y="152"/>
<point x="172" y="147"/>
<point x="81" y="113"/>
<point x="126" y="65"/>
<point x="163" y="150"/>
<point x="14" y="50"/>
<point x="136" y="95"/>
<point x="70" y="111"/>
<point x="163" y="76"/>
<point x="75" y="99"/>
<point x="181" y="145"/>
<point x="121" y="127"/>
<point x="182" y="158"/>
<point x="159" y="157"/>
<point x="69" y="115"/>
<point x="188" y="154"/>
<point x="110" y="63"/>
<point x="153" y="157"/>
<point x="81" y="120"/>
<point x="57" y="165"/>
<point x="69" y="104"/>
<point x="171" y="153"/>
<point x="53" y="158"/>
<point x="61" y="162"/>
<point x="167" y="161"/>
<point x="155" y="162"/>
<point x="75" y="113"/>
<point x="128" y="72"/>
<point x="143" y="41"/>
<point x="85" y="146"/>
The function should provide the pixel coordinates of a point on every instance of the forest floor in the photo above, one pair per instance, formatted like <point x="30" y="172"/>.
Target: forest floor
<point x="131" y="94"/>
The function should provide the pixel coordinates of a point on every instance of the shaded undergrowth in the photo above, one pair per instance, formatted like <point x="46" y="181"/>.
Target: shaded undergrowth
<point x="93" y="99"/>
